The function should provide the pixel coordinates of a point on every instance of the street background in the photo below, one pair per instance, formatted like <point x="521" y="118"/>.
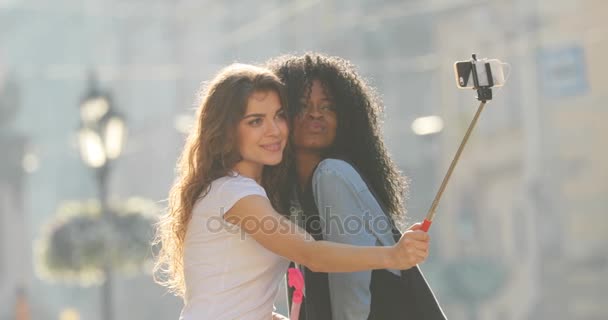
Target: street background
<point x="521" y="233"/>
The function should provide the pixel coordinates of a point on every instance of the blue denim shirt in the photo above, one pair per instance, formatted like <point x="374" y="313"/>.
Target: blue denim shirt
<point x="349" y="214"/>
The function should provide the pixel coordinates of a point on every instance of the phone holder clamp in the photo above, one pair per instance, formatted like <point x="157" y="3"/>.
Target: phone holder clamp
<point x="484" y="93"/>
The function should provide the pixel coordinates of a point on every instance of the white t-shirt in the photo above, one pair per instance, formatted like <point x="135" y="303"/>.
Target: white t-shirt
<point x="228" y="274"/>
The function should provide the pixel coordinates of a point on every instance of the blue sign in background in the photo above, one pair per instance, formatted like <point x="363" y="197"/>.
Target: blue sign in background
<point x="562" y="71"/>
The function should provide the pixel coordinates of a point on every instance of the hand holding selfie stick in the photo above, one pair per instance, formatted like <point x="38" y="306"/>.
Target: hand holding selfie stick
<point x="484" y="93"/>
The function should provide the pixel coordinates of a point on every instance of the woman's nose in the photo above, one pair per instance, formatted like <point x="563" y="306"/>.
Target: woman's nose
<point x="273" y="128"/>
<point x="312" y="112"/>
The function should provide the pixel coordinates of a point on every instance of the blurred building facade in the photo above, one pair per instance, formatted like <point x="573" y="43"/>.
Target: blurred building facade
<point x="524" y="210"/>
<point x="535" y="171"/>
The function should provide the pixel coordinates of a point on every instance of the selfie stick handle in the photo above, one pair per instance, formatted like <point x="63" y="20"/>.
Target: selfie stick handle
<point x="484" y="93"/>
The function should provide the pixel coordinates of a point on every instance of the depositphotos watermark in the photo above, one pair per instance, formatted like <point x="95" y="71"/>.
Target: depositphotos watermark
<point x="332" y="224"/>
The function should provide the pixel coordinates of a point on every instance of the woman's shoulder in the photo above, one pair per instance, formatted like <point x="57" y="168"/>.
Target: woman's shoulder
<point x="225" y="191"/>
<point x="338" y="170"/>
<point x="332" y="165"/>
<point x="233" y="182"/>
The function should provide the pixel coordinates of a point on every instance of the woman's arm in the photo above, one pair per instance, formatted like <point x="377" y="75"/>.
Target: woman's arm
<point x="255" y="215"/>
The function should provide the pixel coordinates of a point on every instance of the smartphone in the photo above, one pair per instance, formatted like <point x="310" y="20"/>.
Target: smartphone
<point x="463" y="70"/>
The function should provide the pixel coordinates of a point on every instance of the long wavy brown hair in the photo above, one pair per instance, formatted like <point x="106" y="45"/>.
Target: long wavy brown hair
<point x="210" y="152"/>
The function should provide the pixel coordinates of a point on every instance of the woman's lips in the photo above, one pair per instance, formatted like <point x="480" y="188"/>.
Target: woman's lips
<point x="272" y="147"/>
<point x="315" y="126"/>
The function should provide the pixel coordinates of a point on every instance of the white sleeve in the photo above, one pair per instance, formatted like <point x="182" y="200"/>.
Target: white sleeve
<point x="234" y="190"/>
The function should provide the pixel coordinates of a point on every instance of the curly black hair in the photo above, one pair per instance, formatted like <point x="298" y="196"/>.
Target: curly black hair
<point x="358" y="110"/>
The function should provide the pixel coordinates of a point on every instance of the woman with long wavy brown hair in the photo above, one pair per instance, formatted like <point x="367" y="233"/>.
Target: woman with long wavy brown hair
<point x="224" y="246"/>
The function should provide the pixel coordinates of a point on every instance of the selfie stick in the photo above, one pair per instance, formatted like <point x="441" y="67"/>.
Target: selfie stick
<point x="484" y="93"/>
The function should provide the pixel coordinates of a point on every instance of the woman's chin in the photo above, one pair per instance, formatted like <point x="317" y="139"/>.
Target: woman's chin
<point x="274" y="162"/>
<point x="317" y="144"/>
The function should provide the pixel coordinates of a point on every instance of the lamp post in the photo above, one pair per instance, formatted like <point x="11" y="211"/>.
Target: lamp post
<point x="101" y="138"/>
<point x="13" y="227"/>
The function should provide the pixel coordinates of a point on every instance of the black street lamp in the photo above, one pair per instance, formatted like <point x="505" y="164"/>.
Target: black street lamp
<point x="101" y="138"/>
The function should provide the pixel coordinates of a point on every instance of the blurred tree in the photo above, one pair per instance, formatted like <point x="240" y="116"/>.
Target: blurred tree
<point x="78" y="244"/>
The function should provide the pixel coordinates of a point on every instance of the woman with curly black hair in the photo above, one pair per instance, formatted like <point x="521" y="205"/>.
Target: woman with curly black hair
<point x="348" y="190"/>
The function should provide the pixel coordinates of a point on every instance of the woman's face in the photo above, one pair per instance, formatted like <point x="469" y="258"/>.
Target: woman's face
<point x="314" y="128"/>
<point x="262" y="132"/>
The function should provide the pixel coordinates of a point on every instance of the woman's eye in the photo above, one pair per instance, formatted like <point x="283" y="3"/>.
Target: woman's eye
<point x="281" y="114"/>
<point x="255" y="122"/>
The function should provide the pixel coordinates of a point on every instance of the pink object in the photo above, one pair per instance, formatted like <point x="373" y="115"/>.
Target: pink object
<point x="295" y="280"/>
